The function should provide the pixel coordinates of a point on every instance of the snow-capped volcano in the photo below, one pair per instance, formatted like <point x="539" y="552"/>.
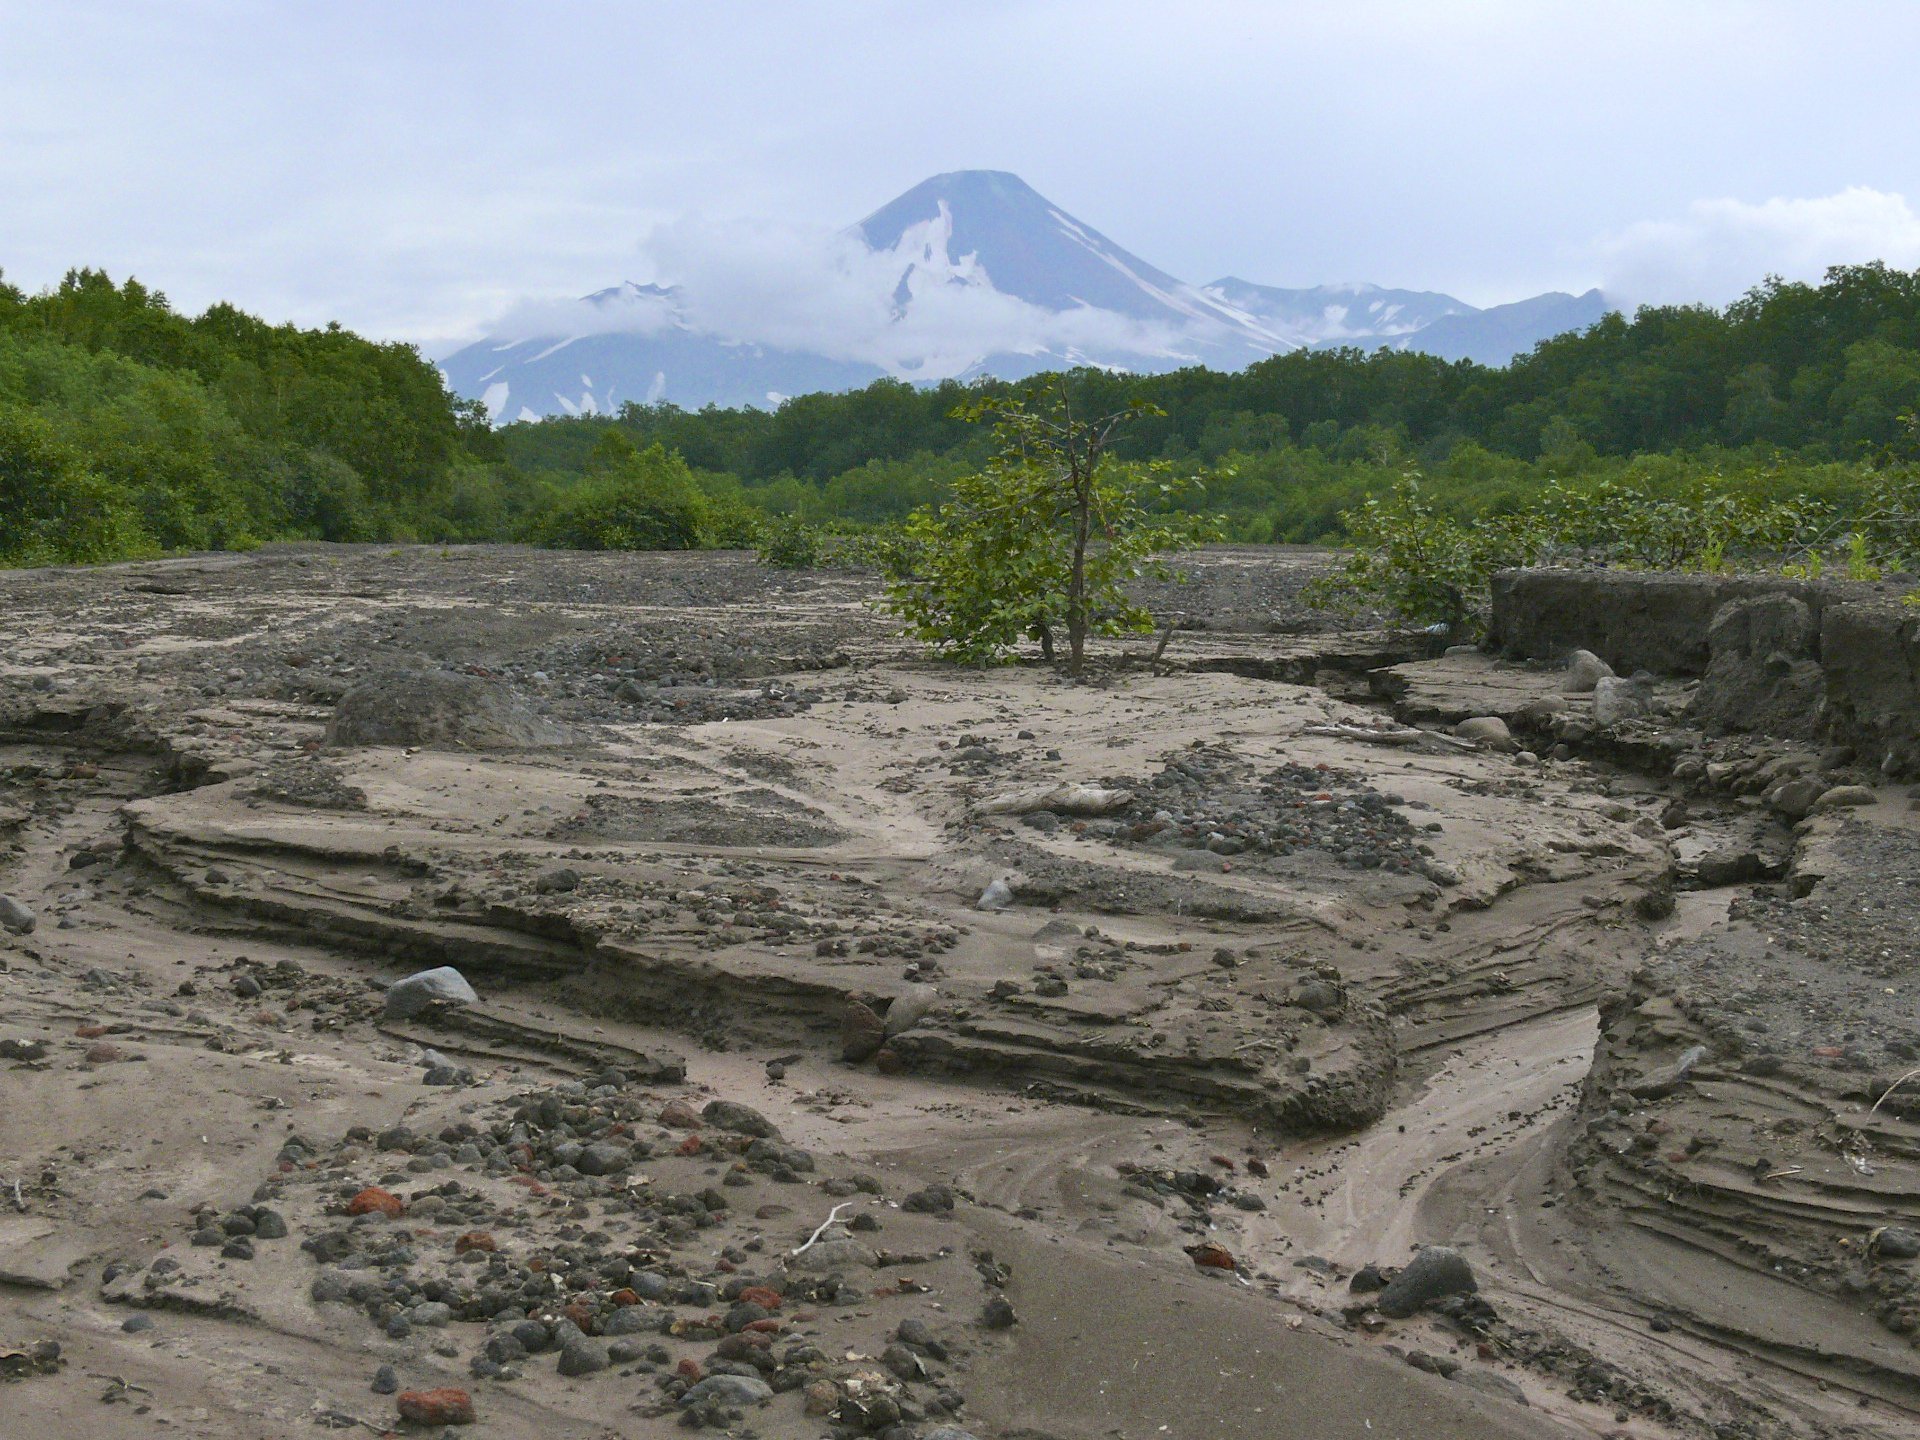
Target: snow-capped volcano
<point x="968" y="273"/>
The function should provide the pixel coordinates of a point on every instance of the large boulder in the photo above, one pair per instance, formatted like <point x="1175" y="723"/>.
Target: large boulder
<point x="439" y="710"/>
<point x="1435" y="1273"/>
<point x="1762" y="675"/>
<point x="443" y="985"/>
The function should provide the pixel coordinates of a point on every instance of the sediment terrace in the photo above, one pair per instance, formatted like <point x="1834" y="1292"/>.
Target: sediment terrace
<point x="1317" y="987"/>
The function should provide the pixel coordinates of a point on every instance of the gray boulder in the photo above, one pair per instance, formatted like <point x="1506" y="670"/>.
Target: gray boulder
<point x="729" y="1390"/>
<point x="446" y="985"/>
<point x="741" y="1119"/>
<point x="1585" y="670"/>
<point x="16" y="917"/>
<point x="1616" y="700"/>
<point x="1488" y="730"/>
<point x="439" y="710"/>
<point x="910" y="1009"/>
<point x="1435" y="1273"/>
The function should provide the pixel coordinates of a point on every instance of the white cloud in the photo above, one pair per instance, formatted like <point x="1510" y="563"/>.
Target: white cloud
<point x="1721" y="248"/>
<point x="826" y="293"/>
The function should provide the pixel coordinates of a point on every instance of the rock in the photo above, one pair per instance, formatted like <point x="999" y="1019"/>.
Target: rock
<point x="1762" y="675"/>
<point x="862" y="1032"/>
<point x="581" y="1356"/>
<point x="1435" y="1273"/>
<point x="1584" y="671"/>
<point x="934" y="1200"/>
<point x="1616" y="700"/>
<point x="1794" y="799"/>
<point x="375" y="1201"/>
<point x="1896" y="1242"/>
<point x="443" y="985"/>
<point x="997" y="896"/>
<point x="439" y="710"/>
<point x="741" y="1119"/>
<point x="1321" y="997"/>
<point x="997" y="1314"/>
<point x="679" y="1115"/>
<point x="1488" y="730"/>
<point x="1662" y="1083"/>
<point x="29" y="1050"/>
<point x="1071" y="799"/>
<point x="1842" y="797"/>
<point x="910" y="1009"/>
<point x="386" y="1381"/>
<point x="729" y="1390"/>
<point x="16" y="917"/>
<point x="827" y="1255"/>
<point x="557" y="880"/>
<point x="1211" y="1256"/>
<point x="136" y="1324"/>
<point x="604" y="1158"/>
<point x="948" y="1432"/>
<point x="445" y="1406"/>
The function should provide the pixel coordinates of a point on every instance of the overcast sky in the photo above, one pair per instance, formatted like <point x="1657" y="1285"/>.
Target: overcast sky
<point x="412" y="168"/>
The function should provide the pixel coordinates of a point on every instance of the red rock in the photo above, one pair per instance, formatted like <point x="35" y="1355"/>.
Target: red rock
<point x="725" y="1266"/>
<point x="1828" y="1052"/>
<point x="691" y="1369"/>
<point x="104" y="1054"/>
<point x="373" y="1199"/>
<point x="764" y="1327"/>
<point x="475" y="1240"/>
<point x="1223" y="1162"/>
<point x="679" y="1115"/>
<point x="623" y="1298"/>
<point x="1210" y="1256"/>
<point x="760" y="1295"/>
<point x="888" y="1062"/>
<point x="89" y="1032"/>
<point x="692" y="1145"/>
<point x="582" y="1315"/>
<point x="445" y="1406"/>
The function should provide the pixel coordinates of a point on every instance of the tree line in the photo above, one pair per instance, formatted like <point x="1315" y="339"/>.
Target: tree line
<point x="127" y="428"/>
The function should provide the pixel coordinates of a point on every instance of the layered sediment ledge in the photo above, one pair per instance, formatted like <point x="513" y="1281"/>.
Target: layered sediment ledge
<point x="1833" y="660"/>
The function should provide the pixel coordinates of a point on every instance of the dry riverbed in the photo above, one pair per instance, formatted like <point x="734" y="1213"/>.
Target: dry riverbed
<point x="865" y="1047"/>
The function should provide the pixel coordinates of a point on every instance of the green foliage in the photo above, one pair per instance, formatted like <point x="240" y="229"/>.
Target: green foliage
<point x="631" y="500"/>
<point x="57" y="511"/>
<point x="1044" y="538"/>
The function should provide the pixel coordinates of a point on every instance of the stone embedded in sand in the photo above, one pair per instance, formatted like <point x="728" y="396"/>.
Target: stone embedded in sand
<point x="581" y="1356"/>
<point x="1585" y="670"/>
<point x="997" y="896"/>
<point x="1794" y="799"/>
<point x="1072" y="799"/>
<point x="1435" y="1273"/>
<point x="862" y="1032"/>
<point x="439" y="710"/>
<point x="742" y="1119"/>
<point x="1488" y="730"/>
<point x="1894" y="1243"/>
<point x="481" y="1240"/>
<point x="373" y="1200"/>
<point x="1616" y="700"/>
<point x="16" y="917"/>
<point x="604" y="1158"/>
<point x="909" y="1009"/>
<point x="679" y="1115"/>
<point x="729" y="1390"/>
<point x="443" y="985"/>
<point x="445" y="1406"/>
<point x="1842" y="797"/>
<point x="1210" y="1256"/>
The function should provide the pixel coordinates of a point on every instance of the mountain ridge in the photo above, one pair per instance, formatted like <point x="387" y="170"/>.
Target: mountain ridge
<point x="968" y="273"/>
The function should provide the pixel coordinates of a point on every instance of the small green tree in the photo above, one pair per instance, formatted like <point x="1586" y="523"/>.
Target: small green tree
<point x="631" y="499"/>
<point x="1046" y="537"/>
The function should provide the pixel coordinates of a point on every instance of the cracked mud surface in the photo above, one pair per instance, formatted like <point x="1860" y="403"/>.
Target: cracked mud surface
<point x="1305" y="999"/>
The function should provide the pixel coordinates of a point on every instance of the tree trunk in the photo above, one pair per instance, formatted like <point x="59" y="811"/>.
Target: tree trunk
<point x="1077" y="618"/>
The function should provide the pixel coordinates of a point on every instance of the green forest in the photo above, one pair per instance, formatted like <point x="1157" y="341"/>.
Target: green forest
<point x="128" y="429"/>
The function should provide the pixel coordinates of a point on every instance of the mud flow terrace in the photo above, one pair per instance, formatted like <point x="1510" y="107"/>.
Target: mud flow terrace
<point x="574" y="996"/>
